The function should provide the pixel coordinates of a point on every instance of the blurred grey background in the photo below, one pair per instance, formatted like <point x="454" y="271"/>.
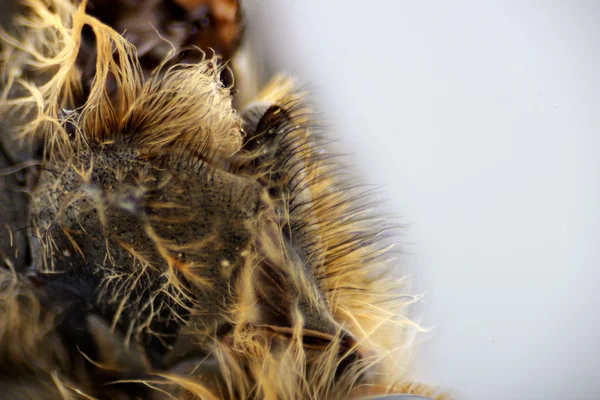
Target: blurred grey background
<point x="482" y="121"/>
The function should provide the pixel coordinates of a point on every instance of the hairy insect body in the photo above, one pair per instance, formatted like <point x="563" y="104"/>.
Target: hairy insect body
<point x="160" y="244"/>
<point x="171" y="246"/>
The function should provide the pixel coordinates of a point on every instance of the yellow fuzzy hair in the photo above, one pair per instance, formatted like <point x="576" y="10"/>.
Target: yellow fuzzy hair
<point x="184" y="111"/>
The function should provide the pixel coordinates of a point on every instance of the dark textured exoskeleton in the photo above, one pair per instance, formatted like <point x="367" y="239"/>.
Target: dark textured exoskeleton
<point x="158" y="243"/>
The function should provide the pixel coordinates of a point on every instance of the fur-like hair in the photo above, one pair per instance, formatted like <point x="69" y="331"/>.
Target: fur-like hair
<point x="178" y="248"/>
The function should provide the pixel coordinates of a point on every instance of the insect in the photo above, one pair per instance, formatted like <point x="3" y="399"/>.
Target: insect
<point x="160" y="240"/>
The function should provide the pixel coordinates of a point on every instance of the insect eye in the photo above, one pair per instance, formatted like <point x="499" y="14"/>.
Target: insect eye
<point x="268" y="129"/>
<point x="226" y="77"/>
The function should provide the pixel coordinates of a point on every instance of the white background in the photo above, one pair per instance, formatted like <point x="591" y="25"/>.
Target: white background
<point x="481" y="119"/>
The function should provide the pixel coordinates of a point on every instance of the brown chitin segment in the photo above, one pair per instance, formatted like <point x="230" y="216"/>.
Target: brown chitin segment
<point x="15" y="246"/>
<point x="225" y="15"/>
<point x="156" y="27"/>
<point x="162" y="246"/>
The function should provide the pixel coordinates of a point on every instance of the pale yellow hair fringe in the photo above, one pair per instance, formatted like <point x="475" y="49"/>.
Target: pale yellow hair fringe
<point x="182" y="105"/>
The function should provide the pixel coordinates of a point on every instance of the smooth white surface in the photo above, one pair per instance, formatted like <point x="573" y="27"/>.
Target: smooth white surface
<point x="482" y="121"/>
